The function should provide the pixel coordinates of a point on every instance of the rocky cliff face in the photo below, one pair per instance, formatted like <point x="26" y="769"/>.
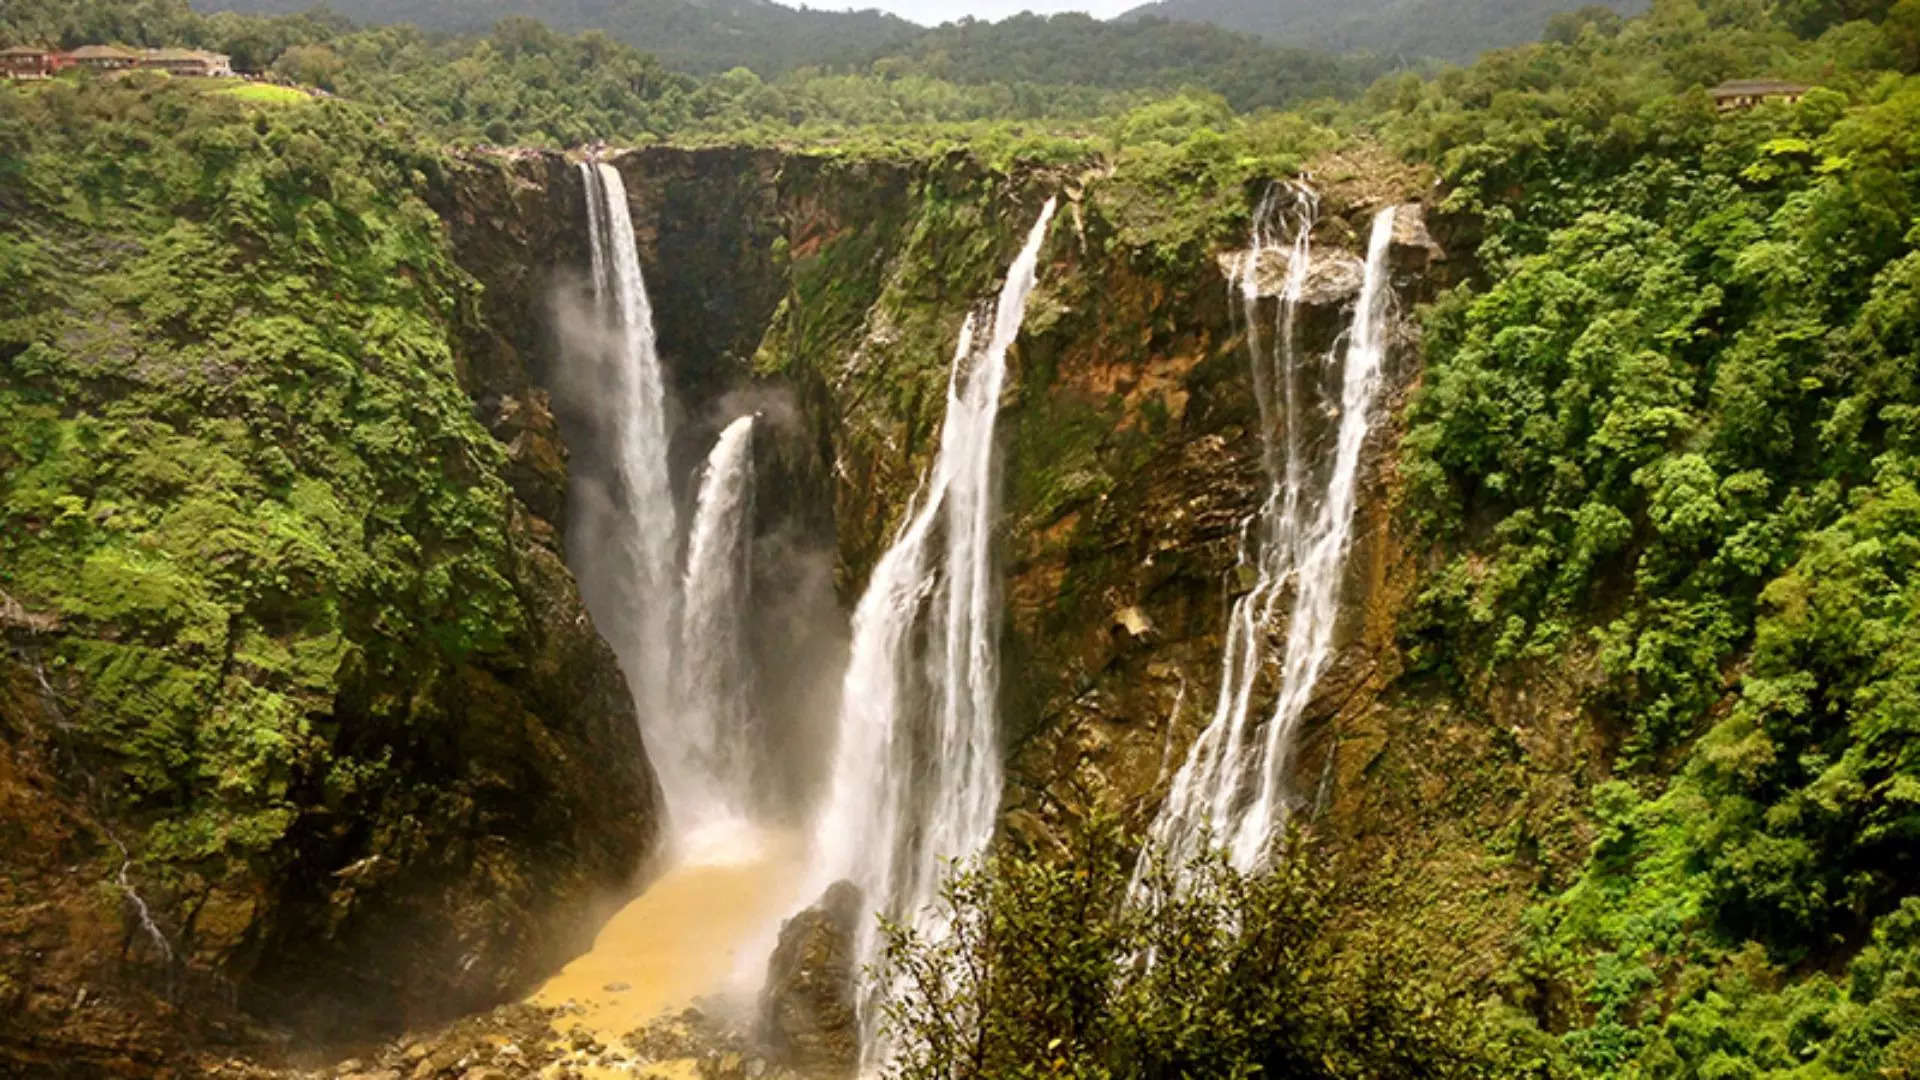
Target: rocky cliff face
<point x="838" y="287"/>
<point x="828" y="293"/>
<point x="1128" y="437"/>
<point x="304" y="731"/>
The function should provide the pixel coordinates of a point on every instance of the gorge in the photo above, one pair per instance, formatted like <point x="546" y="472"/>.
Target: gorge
<point x="579" y="316"/>
<point x="1417" y="585"/>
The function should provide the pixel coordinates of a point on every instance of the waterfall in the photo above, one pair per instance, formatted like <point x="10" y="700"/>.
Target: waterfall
<point x="622" y="540"/>
<point x="1231" y="787"/>
<point x="916" y="773"/>
<point x="717" y="733"/>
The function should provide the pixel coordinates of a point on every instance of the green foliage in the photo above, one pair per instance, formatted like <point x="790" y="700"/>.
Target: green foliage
<point x="1070" y="968"/>
<point x="1023" y="84"/>
<point x="1674" y="431"/>
<point x="692" y="37"/>
<point x="234" y="456"/>
<point x="1078" y="50"/>
<point x="1035" y="56"/>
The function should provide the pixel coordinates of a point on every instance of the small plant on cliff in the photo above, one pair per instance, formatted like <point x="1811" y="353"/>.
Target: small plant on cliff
<point x="1069" y="967"/>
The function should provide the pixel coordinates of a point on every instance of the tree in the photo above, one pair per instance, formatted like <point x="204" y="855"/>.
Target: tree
<point x="1903" y="31"/>
<point x="1074" y="968"/>
<point x="311" y="65"/>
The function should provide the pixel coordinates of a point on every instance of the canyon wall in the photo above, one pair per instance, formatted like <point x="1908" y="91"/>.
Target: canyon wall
<point x="305" y="734"/>
<point x="511" y="793"/>
<point x="1127" y="437"/>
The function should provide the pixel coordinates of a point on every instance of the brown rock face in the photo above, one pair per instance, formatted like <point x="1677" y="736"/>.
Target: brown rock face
<point x="808" y="1015"/>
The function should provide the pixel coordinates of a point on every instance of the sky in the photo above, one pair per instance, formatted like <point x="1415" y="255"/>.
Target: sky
<point x="934" y="12"/>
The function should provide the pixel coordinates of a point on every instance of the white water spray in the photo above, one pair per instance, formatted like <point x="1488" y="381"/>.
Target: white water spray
<point x="1232" y="785"/>
<point x="623" y="543"/>
<point x="718" y="743"/>
<point x="916" y="777"/>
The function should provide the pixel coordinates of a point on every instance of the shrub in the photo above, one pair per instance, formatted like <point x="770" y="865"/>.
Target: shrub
<point x="1080" y="968"/>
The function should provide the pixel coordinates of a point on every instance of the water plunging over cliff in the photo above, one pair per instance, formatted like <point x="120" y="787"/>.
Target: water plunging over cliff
<point x="622" y="536"/>
<point x="916" y="774"/>
<point x="1232" y="786"/>
<point x="715" y="705"/>
<point x="728" y="877"/>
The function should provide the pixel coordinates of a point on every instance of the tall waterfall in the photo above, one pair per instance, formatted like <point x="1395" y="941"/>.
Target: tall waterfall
<point x="717" y="747"/>
<point x="1232" y="785"/>
<point x="916" y="772"/>
<point x="622" y="541"/>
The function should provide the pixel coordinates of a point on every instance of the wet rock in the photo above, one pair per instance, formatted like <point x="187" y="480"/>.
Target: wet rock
<point x="1414" y="249"/>
<point x="1333" y="275"/>
<point x="808" y="1010"/>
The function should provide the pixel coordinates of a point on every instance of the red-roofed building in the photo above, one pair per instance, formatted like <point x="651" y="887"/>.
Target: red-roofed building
<point x="26" y="62"/>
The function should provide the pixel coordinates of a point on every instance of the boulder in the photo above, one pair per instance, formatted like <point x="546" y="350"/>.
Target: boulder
<point x="809" y="1012"/>
<point x="1414" y="251"/>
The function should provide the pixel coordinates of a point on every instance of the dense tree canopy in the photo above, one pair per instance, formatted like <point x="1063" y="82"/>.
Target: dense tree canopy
<point x="1678" y="415"/>
<point x="699" y="38"/>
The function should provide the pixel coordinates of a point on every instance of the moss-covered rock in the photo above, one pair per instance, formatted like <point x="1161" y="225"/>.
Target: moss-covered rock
<point x="302" y="711"/>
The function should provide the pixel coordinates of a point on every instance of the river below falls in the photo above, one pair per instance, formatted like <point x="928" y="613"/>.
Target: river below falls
<point x="704" y="928"/>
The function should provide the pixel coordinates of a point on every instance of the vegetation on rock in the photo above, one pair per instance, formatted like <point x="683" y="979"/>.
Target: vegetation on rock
<point x="1071" y="967"/>
<point x="312" y="665"/>
<point x="1671" y="432"/>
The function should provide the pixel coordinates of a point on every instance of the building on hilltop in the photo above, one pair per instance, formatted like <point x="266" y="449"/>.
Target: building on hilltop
<point x="26" y="62"/>
<point x="102" y="57"/>
<point x="1746" y="93"/>
<point x="188" y="62"/>
<point x="29" y="62"/>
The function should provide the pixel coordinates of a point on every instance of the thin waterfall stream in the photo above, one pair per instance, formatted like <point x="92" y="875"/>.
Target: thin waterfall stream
<point x="1231" y="789"/>
<point x="916" y="775"/>
<point x="623" y="534"/>
<point x="716" y="709"/>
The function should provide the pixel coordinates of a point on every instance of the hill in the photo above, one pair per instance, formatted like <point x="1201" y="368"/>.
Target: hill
<point x="1447" y="29"/>
<point x="699" y="37"/>
<point x="1140" y="54"/>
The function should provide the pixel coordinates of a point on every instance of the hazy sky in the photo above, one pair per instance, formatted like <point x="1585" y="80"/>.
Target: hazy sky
<point x="933" y="12"/>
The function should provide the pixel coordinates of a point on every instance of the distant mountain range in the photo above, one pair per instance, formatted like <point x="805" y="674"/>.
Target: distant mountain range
<point x="699" y="36"/>
<point x="705" y="36"/>
<point x="1403" y="29"/>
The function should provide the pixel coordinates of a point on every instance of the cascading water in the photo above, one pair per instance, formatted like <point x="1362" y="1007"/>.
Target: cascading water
<point x="680" y="636"/>
<point x="718" y="897"/>
<point x="916" y="771"/>
<point x="621" y="541"/>
<point x="1231" y="788"/>
<point x="715" y="718"/>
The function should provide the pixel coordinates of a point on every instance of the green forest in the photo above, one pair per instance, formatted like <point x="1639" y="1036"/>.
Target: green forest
<point x="1658" y="466"/>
